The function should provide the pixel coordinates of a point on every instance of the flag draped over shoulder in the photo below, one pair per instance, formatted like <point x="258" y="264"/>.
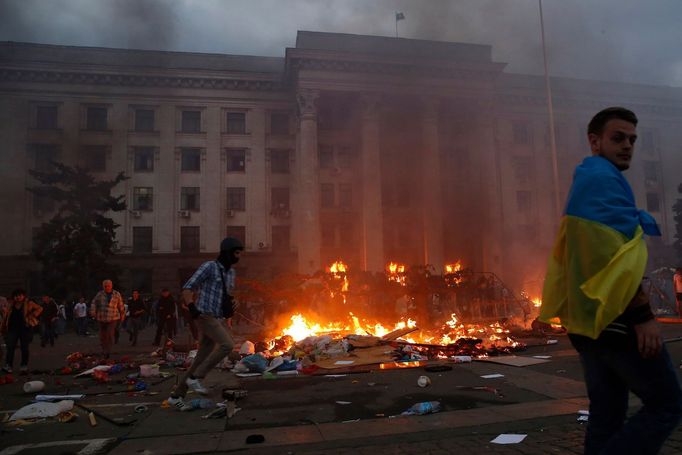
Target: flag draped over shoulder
<point x="599" y="256"/>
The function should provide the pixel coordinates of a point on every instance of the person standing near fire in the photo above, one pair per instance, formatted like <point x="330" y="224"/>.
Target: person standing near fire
<point x="593" y="285"/>
<point x="677" y="286"/>
<point x="19" y="319"/>
<point x="108" y="309"/>
<point x="213" y="282"/>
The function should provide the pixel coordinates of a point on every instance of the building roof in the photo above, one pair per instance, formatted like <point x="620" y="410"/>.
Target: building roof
<point x="112" y="57"/>
<point x="398" y="47"/>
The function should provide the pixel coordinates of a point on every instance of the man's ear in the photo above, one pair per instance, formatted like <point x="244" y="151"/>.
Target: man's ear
<point x="595" y="143"/>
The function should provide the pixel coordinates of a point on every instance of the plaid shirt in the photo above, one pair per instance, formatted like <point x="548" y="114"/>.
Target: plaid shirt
<point x="206" y="280"/>
<point x="108" y="310"/>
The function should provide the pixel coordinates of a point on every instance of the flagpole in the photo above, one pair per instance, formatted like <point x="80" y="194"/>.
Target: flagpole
<point x="396" y="24"/>
<point x="550" y="109"/>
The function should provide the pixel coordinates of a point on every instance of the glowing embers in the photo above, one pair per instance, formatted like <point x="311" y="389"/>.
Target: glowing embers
<point x="396" y="272"/>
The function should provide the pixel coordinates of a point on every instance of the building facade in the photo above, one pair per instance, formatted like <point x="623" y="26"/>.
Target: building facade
<point x="360" y="148"/>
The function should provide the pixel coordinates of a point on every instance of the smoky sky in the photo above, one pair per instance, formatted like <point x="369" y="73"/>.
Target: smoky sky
<point x="613" y="40"/>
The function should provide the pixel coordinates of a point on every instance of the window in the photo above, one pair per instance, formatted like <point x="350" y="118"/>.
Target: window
<point x="279" y="161"/>
<point x="141" y="279"/>
<point x="143" y="198"/>
<point x="281" y="238"/>
<point x="328" y="235"/>
<point x="326" y="156"/>
<point x="142" y="239"/>
<point x="44" y="155"/>
<point x="191" y="122"/>
<point x="652" y="202"/>
<point x="190" y="160"/>
<point x="144" y="159"/>
<point x="236" y="123"/>
<point x="42" y="204"/>
<point x="523" y="201"/>
<point x="189" y="239"/>
<point x="327" y="195"/>
<point x="344" y="157"/>
<point x="46" y="117"/>
<point x="280" y="199"/>
<point x="346" y="234"/>
<point x="95" y="157"/>
<point x="236" y="160"/>
<point x="650" y="173"/>
<point x="279" y="123"/>
<point x="236" y="199"/>
<point x="520" y="133"/>
<point x="96" y="118"/>
<point x="144" y="120"/>
<point x="345" y="195"/>
<point x="522" y="166"/>
<point x="189" y="198"/>
<point x="238" y="232"/>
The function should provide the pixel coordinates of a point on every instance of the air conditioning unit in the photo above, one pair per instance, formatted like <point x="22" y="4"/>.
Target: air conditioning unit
<point x="262" y="245"/>
<point x="135" y="213"/>
<point x="183" y="213"/>
<point x="230" y="213"/>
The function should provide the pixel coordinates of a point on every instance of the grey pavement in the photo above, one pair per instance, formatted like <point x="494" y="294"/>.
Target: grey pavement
<point x="302" y="414"/>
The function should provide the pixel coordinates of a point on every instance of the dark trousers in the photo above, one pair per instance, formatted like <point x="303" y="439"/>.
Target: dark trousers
<point x="610" y="374"/>
<point x="134" y="326"/>
<point x="167" y="325"/>
<point x="106" y="335"/>
<point x="47" y="334"/>
<point x="81" y="326"/>
<point x="14" y="336"/>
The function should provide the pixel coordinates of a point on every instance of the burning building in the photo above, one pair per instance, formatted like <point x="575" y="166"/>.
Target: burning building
<point x="365" y="148"/>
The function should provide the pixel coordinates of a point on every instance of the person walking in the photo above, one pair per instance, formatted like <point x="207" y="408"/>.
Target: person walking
<point x="593" y="285"/>
<point x="48" y="320"/>
<point x="107" y="308"/>
<point x="165" y="321"/>
<point x="20" y="317"/>
<point x="136" y="309"/>
<point x="80" y="312"/>
<point x="213" y="281"/>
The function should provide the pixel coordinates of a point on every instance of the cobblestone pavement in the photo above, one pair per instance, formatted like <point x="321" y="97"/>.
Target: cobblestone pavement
<point x="560" y="435"/>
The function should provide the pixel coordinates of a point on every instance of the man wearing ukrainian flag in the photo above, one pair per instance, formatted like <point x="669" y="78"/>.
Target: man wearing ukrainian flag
<point x="593" y="286"/>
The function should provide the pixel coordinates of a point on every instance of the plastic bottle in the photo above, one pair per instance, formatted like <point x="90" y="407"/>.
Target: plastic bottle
<point x="199" y="403"/>
<point x="425" y="407"/>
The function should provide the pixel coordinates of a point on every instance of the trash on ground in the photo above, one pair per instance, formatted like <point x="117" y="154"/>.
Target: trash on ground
<point x="149" y="371"/>
<point x="59" y="397"/>
<point x="424" y="381"/>
<point x="425" y="407"/>
<point x="492" y="376"/>
<point x="33" y="386"/>
<point x="198" y="403"/>
<point x="66" y="417"/>
<point x="542" y="356"/>
<point x="343" y="402"/>
<point x="92" y="419"/>
<point x="509" y="439"/>
<point x="42" y="409"/>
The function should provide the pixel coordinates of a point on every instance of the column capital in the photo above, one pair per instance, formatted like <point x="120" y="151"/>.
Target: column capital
<point x="307" y="102"/>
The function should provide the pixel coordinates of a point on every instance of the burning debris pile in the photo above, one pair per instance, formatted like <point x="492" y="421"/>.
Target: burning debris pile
<point x="325" y="329"/>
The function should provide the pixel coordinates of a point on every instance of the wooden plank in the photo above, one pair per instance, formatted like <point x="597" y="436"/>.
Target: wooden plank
<point x="399" y="333"/>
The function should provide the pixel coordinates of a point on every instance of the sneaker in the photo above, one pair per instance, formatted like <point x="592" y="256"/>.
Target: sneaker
<point x="196" y="386"/>
<point x="177" y="403"/>
<point x="7" y="369"/>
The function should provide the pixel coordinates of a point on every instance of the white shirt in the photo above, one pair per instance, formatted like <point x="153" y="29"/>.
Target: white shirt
<point x="80" y="309"/>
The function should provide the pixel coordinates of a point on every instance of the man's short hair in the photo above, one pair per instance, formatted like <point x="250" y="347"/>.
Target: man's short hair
<point x="601" y="118"/>
<point x="107" y="281"/>
<point x="17" y="292"/>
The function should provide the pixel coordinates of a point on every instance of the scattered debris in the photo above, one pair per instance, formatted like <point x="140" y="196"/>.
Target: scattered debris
<point x="425" y="407"/>
<point x="424" y="381"/>
<point x="492" y="376"/>
<point x="42" y="409"/>
<point x="33" y="386"/>
<point x="509" y="439"/>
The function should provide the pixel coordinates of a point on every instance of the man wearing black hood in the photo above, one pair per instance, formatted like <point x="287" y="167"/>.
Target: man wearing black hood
<point x="214" y="282"/>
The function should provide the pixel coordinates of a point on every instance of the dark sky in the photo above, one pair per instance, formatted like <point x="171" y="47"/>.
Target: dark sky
<point x="620" y="40"/>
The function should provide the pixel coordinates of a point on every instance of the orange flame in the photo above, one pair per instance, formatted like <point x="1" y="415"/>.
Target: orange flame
<point x="396" y="272"/>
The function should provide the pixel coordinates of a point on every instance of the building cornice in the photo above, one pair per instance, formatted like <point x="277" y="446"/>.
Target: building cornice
<point x="583" y="104"/>
<point x="51" y="76"/>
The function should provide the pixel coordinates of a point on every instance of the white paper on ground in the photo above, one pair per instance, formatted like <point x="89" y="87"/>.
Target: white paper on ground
<point x="343" y="402"/>
<point x="584" y="412"/>
<point x="552" y="341"/>
<point x="42" y="409"/>
<point x="583" y="418"/>
<point x="248" y="375"/>
<point x="92" y="370"/>
<point x="509" y="439"/>
<point x="287" y="373"/>
<point x="542" y="356"/>
<point x="344" y="362"/>
<point x="492" y="376"/>
<point x="335" y="375"/>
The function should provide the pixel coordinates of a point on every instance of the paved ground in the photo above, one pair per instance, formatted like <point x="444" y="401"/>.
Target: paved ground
<point x="302" y="414"/>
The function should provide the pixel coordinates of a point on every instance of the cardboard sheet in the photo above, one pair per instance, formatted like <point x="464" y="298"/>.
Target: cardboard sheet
<point x="513" y="360"/>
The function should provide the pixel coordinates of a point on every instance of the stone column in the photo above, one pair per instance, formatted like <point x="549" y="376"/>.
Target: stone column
<point x="432" y="209"/>
<point x="308" y="185"/>
<point x="372" y="215"/>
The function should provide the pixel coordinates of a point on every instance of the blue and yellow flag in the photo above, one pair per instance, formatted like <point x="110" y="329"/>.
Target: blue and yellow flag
<point x="599" y="257"/>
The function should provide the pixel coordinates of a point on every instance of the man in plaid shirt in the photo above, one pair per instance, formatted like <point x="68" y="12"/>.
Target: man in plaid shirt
<point x="214" y="282"/>
<point x="108" y="309"/>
